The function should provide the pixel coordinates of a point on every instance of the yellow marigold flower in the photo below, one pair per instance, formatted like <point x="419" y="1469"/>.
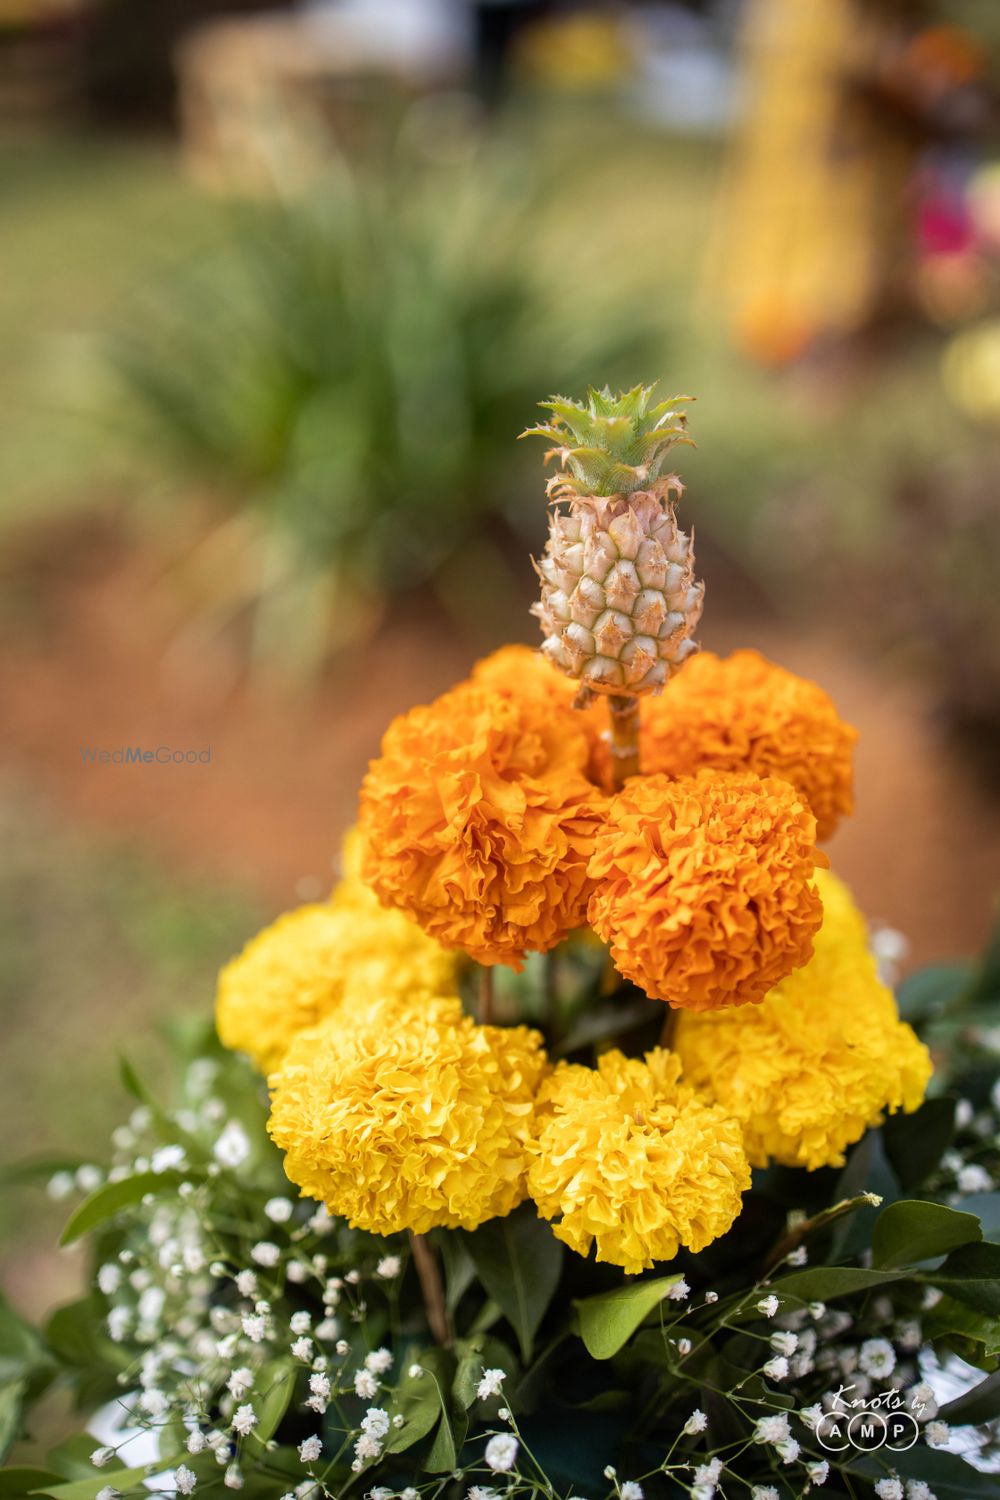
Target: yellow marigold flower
<point x="632" y="1160"/>
<point x="323" y="960"/>
<point x="478" y="820"/>
<point x="704" y="886"/>
<point x="744" y="712"/>
<point x="409" y="1124"/>
<point x="821" y="1060"/>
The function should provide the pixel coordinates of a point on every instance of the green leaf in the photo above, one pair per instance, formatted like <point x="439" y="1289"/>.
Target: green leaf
<point x="933" y="990"/>
<point x="474" y="1356"/>
<point x="22" y="1348"/>
<point x="951" y="1317"/>
<point x="128" y="1481"/>
<point x="986" y="1207"/>
<point x="114" y="1196"/>
<point x="518" y="1259"/>
<point x="11" y="1406"/>
<point x="609" y="1320"/>
<point x="822" y="1284"/>
<point x="981" y="1404"/>
<point x="972" y="1275"/>
<point x="277" y="1381"/>
<point x="418" y="1400"/>
<point x="916" y="1143"/>
<point x="949" y="1477"/>
<point x="17" y="1481"/>
<point x="912" y="1231"/>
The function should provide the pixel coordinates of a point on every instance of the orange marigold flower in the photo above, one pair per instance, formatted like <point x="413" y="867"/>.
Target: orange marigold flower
<point x="704" y="886"/>
<point x="478" y="820"/>
<point x="742" y="712"/>
<point x="521" y="671"/>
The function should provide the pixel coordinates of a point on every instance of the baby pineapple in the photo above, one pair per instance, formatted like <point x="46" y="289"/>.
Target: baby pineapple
<point x="619" y="599"/>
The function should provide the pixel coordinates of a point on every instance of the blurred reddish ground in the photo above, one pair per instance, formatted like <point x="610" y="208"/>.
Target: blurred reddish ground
<point x="85" y="659"/>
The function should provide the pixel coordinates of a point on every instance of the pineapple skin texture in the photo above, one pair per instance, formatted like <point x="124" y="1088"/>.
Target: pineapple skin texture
<point x="619" y="599"/>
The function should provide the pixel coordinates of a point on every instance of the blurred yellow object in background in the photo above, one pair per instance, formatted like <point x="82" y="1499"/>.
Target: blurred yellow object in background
<point x="813" y="209"/>
<point x="971" y="371"/>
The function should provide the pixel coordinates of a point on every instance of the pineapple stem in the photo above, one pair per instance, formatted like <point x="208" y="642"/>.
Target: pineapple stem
<point x="669" y="1029"/>
<point x="485" y="997"/>
<point x="429" y="1276"/>
<point x="624" y="737"/>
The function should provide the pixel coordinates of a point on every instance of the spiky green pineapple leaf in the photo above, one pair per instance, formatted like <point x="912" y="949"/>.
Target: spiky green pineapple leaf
<point x="610" y="444"/>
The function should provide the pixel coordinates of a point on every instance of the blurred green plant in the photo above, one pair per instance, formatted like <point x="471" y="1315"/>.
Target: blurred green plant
<point x="344" y="378"/>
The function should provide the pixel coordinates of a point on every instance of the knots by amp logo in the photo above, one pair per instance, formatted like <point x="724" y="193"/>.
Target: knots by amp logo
<point x="881" y="1421"/>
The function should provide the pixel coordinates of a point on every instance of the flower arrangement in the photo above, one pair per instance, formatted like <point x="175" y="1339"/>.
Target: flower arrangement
<point x="576" y="1145"/>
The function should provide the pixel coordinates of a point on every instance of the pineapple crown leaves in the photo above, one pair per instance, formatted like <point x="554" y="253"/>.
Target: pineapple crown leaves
<point x="612" y="445"/>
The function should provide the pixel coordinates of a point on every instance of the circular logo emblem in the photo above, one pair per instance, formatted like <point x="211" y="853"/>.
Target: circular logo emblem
<point x="903" y="1431"/>
<point x="831" y="1431"/>
<point x="868" y="1430"/>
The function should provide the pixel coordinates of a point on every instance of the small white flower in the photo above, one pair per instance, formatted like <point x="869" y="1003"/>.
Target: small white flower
<point x="610" y="1471"/>
<point x="480" y="1492"/>
<point x="784" y="1343"/>
<point x="119" y="1323"/>
<point x="233" y="1145"/>
<point x="768" y="1305"/>
<point x="415" y="1372"/>
<point x="773" y="1429"/>
<point x="265" y="1254"/>
<point x="378" y="1361"/>
<point x="184" y="1480"/>
<point x="877" y="1358"/>
<point x="389" y="1267"/>
<point x="353" y="1278"/>
<point x="937" y="1433"/>
<point x="631" y="1491"/>
<point x="167" y="1159"/>
<point x="696" y="1422"/>
<point x="239" y="1382"/>
<point x="490" y="1384"/>
<point x="196" y="1441"/>
<point x="708" y="1474"/>
<point x="409" y="1493"/>
<point x="711" y="1297"/>
<point x="798" y="1257"/>
<point x="684" y="1347"/>
<point x="919" y="1489"/>
<point x="310" y="1449"/>
<point x="503" y="1412"/>
<point x="246" y="1283"/>
<point x="255" y="1327"/>
<point x="302" y="1349"/>
<point x="232" y="1478"/>
<point x="817" y="1310"/>
<point x="109" y="1278"/>
<point x="279" y="1210"/>
<point x="300" y="1322"/>
<point x="321" y="1222"/>
<point x="154" y="1402"/>
<point x="889" y="1489"/>
<point x="974" y="1179"/>
<point x="89" y="1178"/>
<point x="776" y="1368"/>
<point x="108" y="1493"/>
<point x="922" y="1401"/>
<point x="101" y="1456"/>
<point x="818" y="1473"/>
<point x="365" y="1385"/>
<point x="367" y="1447"/>
<point x="501" y="1453"/>
<point x="789" y="1450"/>
<point x="811" y="1416"/>
<point x="297" y="1271"/>
<point x="376" y="1422"/>
<point x="677" y="1293"/>
<point x="764" y="1492"/>
<point x="60" y="1185"/>
<point x="244" y="1420"/>
<point x="328" y="1330"/>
